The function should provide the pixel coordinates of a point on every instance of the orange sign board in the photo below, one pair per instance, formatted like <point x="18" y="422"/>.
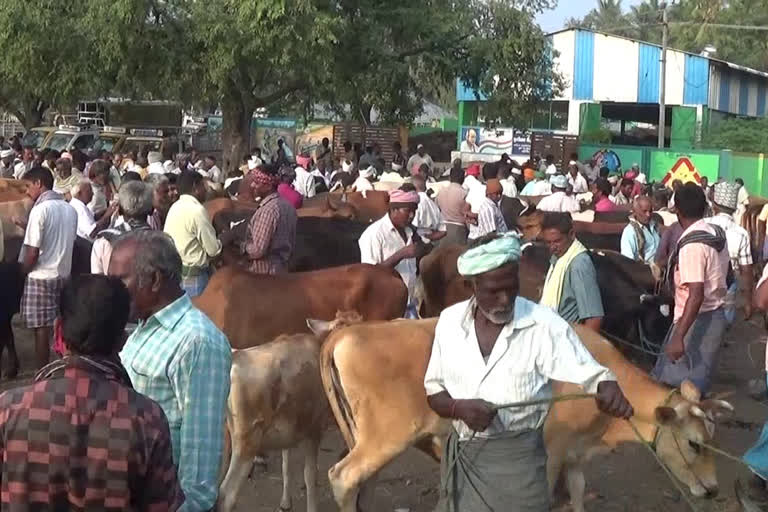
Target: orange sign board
<point x="683" y="170"/>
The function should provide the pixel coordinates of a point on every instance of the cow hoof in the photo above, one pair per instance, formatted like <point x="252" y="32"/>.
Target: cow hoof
<point x="284" y="509"/>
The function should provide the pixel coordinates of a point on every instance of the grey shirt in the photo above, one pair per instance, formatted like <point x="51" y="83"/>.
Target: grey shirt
<point x="581" y="295"/>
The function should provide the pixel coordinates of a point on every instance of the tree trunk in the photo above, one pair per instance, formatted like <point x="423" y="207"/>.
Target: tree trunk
<point x="30" y="113"/>
<point x="235" y="134"/>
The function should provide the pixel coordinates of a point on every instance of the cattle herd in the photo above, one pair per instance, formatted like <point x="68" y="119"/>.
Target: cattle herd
<point x="293" y="378"/>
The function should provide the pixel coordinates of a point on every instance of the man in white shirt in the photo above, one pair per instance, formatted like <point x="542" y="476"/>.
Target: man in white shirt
<point x="363" y="181"/>
<point x="304" y="182"/>
<point x="489" y="216"/>
<point x="6" y="163"/>
<point x="416" y="161"/>
<point x="742" y="201"/>
<point x="558" y="200"/>
<point x="389" y="242"/>
<point x="210" y="170"/>
<point x="498" y="348"/>
<point x="26" y="164"/>
<point x="577" y="181"/>
<point x="474" y="187"/>
<point x="551" y="167"/>
<point x="724" y="205"/>
<point x="87" y="226"/>
<point x="507" y="179"/>
<point x="428" y="220"/>
<point x="46" y="258"/>
<point x="155" y="159"/>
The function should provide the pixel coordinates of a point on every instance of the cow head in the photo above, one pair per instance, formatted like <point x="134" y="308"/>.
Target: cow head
<point x="684" y="425"/>
<point x="321" y="328"/>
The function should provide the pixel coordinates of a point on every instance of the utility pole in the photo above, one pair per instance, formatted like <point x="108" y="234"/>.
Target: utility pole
<point x="663" y="84"/>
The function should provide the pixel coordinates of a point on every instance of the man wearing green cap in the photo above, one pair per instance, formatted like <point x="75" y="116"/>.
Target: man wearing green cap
<point x="500" y="348"/>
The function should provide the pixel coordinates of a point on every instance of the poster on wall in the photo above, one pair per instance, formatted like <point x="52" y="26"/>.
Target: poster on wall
<point x="266" y="132"/>
<point x="311" y="138"/>
<point x="607" y="158"/>
<point x="495" y="141"/>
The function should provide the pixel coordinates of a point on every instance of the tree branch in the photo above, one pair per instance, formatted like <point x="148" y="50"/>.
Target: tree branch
<point x="278" y="94"/>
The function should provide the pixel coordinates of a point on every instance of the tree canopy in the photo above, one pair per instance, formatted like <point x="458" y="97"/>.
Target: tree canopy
<point x="352" y="56"/>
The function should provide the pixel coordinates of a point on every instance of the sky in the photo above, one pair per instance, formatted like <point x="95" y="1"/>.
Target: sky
<point x="555" y="19"/>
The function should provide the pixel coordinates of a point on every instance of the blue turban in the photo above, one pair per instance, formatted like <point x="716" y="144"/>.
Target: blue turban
<point x="490" y="256"/>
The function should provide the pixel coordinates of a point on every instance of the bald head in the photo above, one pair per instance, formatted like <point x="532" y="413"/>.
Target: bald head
<point x="642" y="207"/>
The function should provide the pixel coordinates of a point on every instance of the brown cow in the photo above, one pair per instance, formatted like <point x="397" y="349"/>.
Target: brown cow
<point x="377" y="396"/>
<point x="253" y="309"/>
<point x="220" y="204"/>
<point x="276" y="402"/>
<point x="370" y="206"/>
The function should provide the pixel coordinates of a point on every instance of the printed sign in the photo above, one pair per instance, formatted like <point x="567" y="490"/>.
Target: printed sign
<point x="683" y="170"/>
<point x="495" y="141"/>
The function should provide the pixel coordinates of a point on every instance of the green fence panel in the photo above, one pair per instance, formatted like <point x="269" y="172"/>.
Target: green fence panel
<point x="706" y="163"/>
<point x="590" y="116"/>
<point x="749" y="168"/>
<point x="683" y="131"/>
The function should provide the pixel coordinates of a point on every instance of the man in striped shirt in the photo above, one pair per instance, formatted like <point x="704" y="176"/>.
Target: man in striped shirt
<point x="489" y="217"/>
<point x="177" y="357"/>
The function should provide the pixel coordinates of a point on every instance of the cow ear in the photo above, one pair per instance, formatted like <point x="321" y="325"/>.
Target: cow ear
<point x="319" y="327"/>
<point x="665" y="416"/>
<point x="690" y="392"/>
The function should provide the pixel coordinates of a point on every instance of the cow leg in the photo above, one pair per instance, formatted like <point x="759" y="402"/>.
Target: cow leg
<point x="311" y="447"/>
<point x="554" y="471"/>
<point x="285" y="501"/>
<point x="363" y="462"/>
<point x="245" y="446"/>
<point x="576" y="484"/>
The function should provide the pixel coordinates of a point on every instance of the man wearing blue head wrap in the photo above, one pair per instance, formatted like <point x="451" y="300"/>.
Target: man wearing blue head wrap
<point x="499" y="348"/>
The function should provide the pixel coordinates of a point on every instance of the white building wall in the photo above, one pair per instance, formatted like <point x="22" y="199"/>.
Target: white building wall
<point x="675" y="78"/>
<point x="564" y="44"/>
<point x="616" y="69"/>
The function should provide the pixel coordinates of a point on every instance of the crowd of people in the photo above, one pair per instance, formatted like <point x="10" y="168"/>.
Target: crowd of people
<point x="152" y="246"/>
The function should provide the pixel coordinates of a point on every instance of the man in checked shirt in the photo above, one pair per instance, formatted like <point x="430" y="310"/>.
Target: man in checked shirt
<point x="272" y="229"/>
<point x="80" y="437"/>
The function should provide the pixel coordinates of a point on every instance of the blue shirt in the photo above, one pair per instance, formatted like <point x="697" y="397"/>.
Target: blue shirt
<point x="581" y="295"/>
<point x="652" y="241"/>
<point x="181" y="360"/>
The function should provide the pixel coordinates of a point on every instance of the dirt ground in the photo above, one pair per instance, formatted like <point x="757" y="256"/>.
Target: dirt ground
<point x="626" y="481"/>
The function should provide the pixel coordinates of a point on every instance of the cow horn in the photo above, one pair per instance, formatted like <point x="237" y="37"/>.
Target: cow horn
<point x="719" y="404"/>
<point x="695" y="410"/>
<point x="645" y="297"/>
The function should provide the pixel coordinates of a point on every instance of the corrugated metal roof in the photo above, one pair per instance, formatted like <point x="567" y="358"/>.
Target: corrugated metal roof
<point x="726" y="63"/>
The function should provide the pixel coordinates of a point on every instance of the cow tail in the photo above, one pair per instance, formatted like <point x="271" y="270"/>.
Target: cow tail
<point x="335" y="393"/>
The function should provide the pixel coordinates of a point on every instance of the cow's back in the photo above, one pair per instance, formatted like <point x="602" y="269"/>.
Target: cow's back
<point x="252" y="309"/>
<point x="325" y="242"/>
